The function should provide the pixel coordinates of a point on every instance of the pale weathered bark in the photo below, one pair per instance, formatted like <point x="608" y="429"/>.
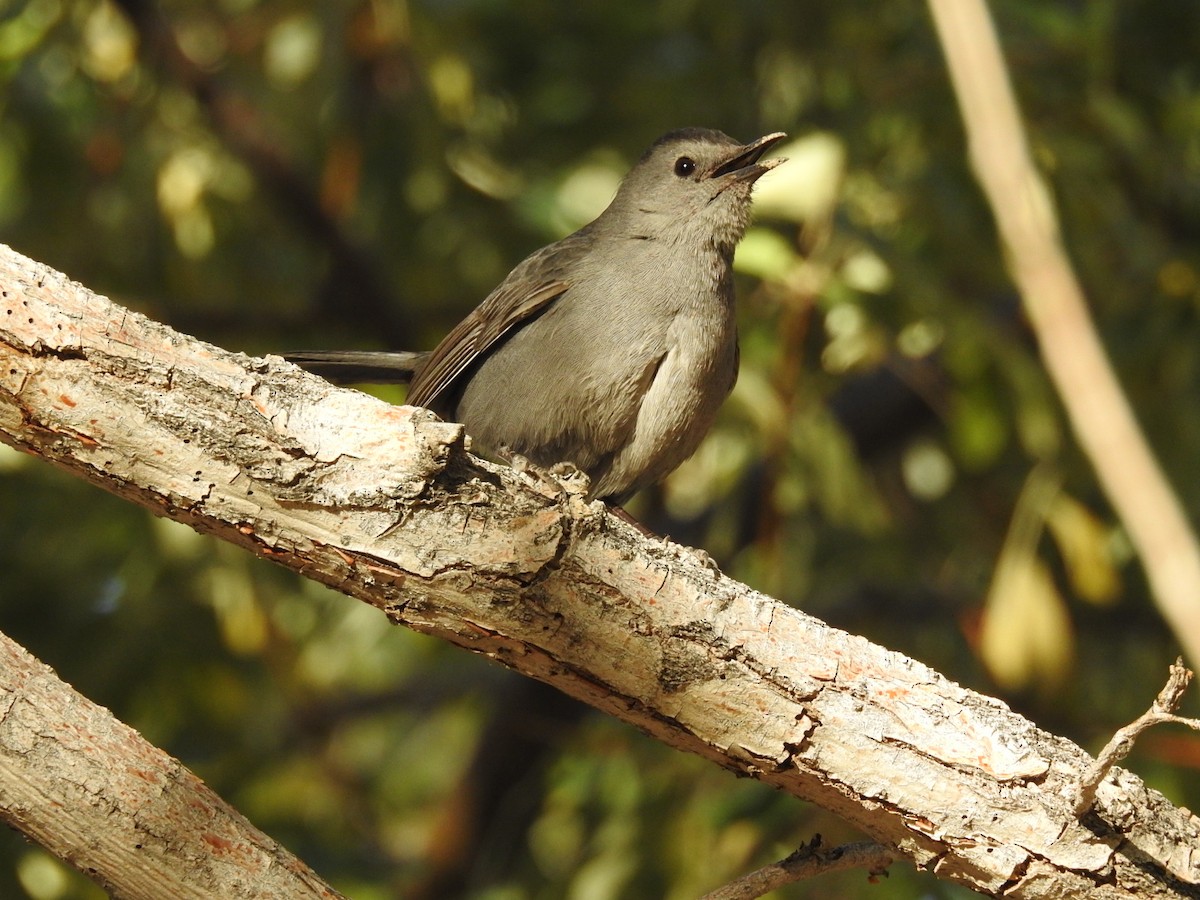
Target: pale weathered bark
<point x="96" y="793"/>
<point x="384" y="504"/>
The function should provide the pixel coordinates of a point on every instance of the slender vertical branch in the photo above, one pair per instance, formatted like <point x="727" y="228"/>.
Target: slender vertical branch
<point x="1053" y="300"/>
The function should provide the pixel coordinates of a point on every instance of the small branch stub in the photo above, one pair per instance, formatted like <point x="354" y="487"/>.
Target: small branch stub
<point x="1161" y="712"/>
<point x="807" y="862"/>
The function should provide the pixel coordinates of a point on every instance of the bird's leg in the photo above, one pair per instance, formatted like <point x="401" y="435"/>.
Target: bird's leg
<point x="566" y="477"/>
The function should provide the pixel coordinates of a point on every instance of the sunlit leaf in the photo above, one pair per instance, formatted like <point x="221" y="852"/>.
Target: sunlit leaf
<point x="1086" y="547"/>
<point x="765" y="254"/>
<point x="1026" y="638"/>
<point x="807" y="187"/>
<point x="293" y="49"/>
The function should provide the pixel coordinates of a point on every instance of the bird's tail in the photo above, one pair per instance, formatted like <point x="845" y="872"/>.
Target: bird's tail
<point x="361" y="366"/>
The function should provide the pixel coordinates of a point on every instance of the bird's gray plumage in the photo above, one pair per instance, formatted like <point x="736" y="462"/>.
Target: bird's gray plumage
<point x="612" y="348"/>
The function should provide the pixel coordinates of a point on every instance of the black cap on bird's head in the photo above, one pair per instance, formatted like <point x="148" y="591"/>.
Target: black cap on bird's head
<point x="694" y="180"/>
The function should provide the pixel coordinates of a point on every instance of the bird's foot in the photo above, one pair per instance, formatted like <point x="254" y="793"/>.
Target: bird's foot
<point x="570" y="477"/>
<point x="562" y="478"/>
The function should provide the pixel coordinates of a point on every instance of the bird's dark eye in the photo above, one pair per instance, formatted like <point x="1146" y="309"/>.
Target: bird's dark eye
<point x="685" y="166"/>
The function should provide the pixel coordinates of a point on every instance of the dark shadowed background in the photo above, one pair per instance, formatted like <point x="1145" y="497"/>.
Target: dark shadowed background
<point x="272" y="176"/>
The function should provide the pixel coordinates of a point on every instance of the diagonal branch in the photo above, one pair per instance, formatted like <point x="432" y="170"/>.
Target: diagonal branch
<point x="384" y="504"/>
<point x="97" y="794"/>
<point x="1100" y="414"/>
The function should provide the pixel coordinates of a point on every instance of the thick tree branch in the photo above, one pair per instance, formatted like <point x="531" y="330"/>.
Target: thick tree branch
<point x="384" y="504"/>
<point x="92" y="791"/>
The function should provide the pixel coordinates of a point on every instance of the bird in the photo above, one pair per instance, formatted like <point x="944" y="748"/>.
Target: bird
<point x="611" y="349"/>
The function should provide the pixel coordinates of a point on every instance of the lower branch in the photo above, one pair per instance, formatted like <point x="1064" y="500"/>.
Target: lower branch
<point x="93" y="792"/>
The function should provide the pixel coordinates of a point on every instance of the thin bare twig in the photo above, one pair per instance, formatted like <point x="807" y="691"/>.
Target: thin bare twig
<point x="807" y="862"/>
<point x="1162" y="711"/>
<point x="1053" y="300"/>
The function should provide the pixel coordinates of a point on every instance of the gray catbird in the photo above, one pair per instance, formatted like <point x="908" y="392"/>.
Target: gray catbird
<point x="612" y="348"/>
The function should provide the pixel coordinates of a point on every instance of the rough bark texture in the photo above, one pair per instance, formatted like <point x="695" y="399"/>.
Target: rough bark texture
<point x="92" y="790"/>
<point x="384" y="504"/>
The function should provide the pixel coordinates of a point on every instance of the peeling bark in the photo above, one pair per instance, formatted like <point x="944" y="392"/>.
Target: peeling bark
<point x="385" y="504"/>
<point x="94" y="792"/>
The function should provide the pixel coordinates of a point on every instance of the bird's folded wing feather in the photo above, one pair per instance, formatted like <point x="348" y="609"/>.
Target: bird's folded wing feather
<point x="524" y="294"/>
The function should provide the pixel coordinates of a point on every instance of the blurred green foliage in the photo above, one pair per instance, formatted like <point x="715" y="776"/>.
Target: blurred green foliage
<point x="270" y="175"/>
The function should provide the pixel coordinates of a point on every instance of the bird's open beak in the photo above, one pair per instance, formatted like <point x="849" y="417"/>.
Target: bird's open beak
<point x="744" y="164"/>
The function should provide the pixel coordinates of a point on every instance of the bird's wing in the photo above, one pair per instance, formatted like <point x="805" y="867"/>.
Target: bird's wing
<point x="523" y="294"/>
